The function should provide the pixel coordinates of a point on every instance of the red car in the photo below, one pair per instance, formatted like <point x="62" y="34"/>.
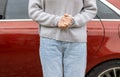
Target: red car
<point x="19" y="41"/>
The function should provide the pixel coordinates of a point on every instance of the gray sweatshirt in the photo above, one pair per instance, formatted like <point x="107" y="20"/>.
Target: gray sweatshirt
<point x="47" y="13"/>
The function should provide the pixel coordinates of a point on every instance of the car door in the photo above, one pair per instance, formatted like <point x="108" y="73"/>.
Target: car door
<point x="96" y="34"/>
<point x="19" y="41"/>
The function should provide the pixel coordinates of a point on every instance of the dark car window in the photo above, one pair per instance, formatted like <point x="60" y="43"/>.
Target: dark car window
<point x="17" y="9"/>
<point x="2" y="8"/>
<point x="104" y="12"/>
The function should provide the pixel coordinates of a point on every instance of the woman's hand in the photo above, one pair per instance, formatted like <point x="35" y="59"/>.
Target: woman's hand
<point x="65" y="21"/>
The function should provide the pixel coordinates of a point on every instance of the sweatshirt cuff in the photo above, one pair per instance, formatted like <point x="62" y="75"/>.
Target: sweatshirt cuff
<point x="78" y="21"/>
<point x="57" y="20"/>
<point x="74" y="22"/>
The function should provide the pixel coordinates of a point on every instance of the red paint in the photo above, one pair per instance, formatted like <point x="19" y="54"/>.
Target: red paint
<point x="116" y="3"/>
<point x="110" y="48"/>
<point x="19" y="47"/>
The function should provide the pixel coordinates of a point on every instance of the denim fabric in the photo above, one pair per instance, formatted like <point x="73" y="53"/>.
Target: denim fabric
<point x="62" y="59"/>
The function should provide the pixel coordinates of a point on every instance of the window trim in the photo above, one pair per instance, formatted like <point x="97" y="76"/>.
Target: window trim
<point x="111" y="6"/>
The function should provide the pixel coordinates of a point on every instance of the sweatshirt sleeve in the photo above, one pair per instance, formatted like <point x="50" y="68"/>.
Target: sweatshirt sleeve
<point x="88" y="12"/>
<point x="36" y="12"/>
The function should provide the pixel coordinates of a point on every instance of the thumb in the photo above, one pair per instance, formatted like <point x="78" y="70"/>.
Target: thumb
<point x="66" y="15"/>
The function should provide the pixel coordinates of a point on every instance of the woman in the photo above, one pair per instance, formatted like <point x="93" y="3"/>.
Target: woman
<point x="63" y="35"/>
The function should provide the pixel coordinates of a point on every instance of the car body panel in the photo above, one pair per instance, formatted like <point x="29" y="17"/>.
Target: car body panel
<point x="19" y="46"/>
<point x="115" y="3"/>
<point x="21" y="40"/>
<point x="110" y="48"/>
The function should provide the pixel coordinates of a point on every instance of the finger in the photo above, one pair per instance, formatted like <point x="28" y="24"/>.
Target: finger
<point x="63" y="26"/>
<point x="66" y="15"/>
<point x="60" y="23"/>
<point x="66" y="24"/>
<point x="67" y="21"/>
<point x="67" y="18"/>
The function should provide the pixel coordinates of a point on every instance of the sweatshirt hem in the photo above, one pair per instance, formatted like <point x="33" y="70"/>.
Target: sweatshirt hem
<point x="64" y="40"/>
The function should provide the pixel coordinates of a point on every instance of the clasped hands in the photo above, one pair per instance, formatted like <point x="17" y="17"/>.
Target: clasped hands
<point x="65" y="22"/>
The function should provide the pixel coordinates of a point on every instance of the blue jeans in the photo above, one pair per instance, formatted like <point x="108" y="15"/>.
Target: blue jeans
<point x="62" y="59"/>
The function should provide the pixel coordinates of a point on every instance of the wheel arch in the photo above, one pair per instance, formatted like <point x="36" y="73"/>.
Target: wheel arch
<point x="105" y="61"/>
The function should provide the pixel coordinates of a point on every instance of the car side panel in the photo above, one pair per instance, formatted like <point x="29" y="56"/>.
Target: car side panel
<point x="110" y="48"/>
<point x="19" y="46"/>
<point x="115" y="3"/>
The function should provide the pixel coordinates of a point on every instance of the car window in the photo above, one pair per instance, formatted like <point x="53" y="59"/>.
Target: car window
<point x="104" y="12"/>
<point x="17" y="9"/>
<point x="2" y="8"/>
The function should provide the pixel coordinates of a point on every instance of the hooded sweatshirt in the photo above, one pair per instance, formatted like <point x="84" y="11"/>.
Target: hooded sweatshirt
<point x="48" y="13"/>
